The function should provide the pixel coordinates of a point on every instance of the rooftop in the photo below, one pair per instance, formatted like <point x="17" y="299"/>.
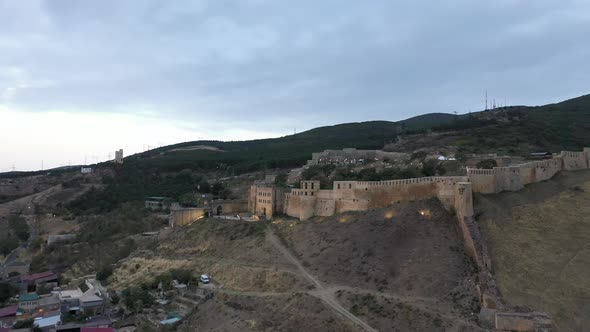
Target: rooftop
<point x="8" y="311"/>
<point x="97" y="329"/>
<point x="32" y="277"/>
<point x="155" y="198"/>
<point x="70" y="294"/>
<point x="29" y="297"/>
<point x="49" y="321"/>
<point x="90" y="298"/>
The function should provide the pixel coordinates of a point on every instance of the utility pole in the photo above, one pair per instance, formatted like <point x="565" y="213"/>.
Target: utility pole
<point x="486" y="100"/>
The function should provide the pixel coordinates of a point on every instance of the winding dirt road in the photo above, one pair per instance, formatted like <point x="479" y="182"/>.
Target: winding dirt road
<point x="322" y="293"/>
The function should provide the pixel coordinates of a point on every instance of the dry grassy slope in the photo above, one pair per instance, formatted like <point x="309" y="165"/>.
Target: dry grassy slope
<point x="233" y="253"/>
<point x="539" y="239"/>
<point x="294" y="312"/>
<point x="393" y="249"/>
<point x="393" y="267"/>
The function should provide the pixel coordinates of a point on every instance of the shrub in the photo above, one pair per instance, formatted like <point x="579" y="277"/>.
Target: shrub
<point x="487" y="164"/>
<point x="104" y="273"/>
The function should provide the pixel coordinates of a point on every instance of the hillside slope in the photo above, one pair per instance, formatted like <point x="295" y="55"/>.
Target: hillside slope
<point x="539" y="242"/>
<point x="516" y="130"/>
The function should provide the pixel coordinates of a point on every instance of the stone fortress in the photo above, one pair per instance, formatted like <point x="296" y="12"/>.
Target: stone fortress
<point x="454" y="192"/>
<point x="266" y="199"/>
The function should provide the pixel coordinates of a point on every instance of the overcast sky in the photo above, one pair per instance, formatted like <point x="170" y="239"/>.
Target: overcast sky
<point x="79" y="79"/>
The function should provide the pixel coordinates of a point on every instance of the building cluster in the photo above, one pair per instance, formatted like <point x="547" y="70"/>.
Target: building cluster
<point x="47" y="304"/>
<point x="353" y="156"/>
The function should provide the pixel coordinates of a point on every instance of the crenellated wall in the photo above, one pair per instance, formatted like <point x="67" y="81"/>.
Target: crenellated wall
<point x="572" y="161"/>
<point x="364" y="195"/>
<point x="309" y="200"/>
<point x="508" y="178"/>
<point x="513" y="178"/>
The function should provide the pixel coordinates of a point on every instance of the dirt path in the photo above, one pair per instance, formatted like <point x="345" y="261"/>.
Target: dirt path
<point x="326" y="295"/>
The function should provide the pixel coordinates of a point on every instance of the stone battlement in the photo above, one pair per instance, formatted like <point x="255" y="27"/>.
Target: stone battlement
<point x="309" y="200"/>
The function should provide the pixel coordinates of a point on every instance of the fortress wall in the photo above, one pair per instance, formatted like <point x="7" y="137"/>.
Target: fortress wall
<point x="324" y="207"/>
<point x="483" y="180"/>
<point x="325" y="204"/>
<point x="572" y="161"/>
<point x="181" y="217"/>
<point x="445" y="189"/>
<point x="265" y="202"/>
<point x="547" y="169"/>
<point x="379" y="194"/>
<point x="463" y="199"/>
<point x="464" y="209"/>
<point x="507" y="178"/>
<point x="344" y="189"/>
<point x="252" y="199"/>
<point x="587" y="154"/>
<point x="231" y="206"/>
<point x="302" y="207"/>
<point x="528" y="173"/>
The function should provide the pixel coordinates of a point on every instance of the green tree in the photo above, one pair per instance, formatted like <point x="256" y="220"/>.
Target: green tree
<point x="6" y="292"/>
<point x="281" y="180"/>
<point x="8" y="244"/>
<point x="487" y="164"/>
<point x="104" y="273"/>
<point x="19" y="227"/>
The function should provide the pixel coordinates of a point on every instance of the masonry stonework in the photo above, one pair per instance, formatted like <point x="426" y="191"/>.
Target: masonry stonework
<point x="455" y="193"/>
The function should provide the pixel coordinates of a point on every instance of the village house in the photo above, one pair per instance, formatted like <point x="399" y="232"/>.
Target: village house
<point x="157" y="203"/>
<point x="8" y="315"/>
<point x="100" y="324"/>
<point x="29" y="283"/>
<point x="15" y="268"/>
<point x="27" y="303"/>
<point x="75" y="301"/>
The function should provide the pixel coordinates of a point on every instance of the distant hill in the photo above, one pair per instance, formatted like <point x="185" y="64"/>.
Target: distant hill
<point x="515" y="130"/>
<point x="287" y="151"/>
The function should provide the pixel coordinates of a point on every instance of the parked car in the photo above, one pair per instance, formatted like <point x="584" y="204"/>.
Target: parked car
<point x="205" y="279"/>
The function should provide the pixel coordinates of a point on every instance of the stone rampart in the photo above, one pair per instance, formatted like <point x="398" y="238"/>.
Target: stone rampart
<point x="513" y="178"/>
<point x="573" y="161"/>
<point x="507" y="178"/>
<point x="363" y="195"/>
<point x="186" y="216"/>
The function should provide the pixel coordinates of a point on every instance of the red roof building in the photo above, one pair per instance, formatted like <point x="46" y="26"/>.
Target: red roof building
<point x="8" y="311"/>
<point x="48" y="275"/>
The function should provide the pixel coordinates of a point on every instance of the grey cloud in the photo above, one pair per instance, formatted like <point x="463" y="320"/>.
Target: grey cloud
<point x="286" y="63"/>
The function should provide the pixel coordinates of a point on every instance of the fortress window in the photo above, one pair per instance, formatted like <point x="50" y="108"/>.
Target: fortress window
<point x="312" y="185"/>
<point x="350" y="186"/>
<point x="311" y="193"/>
<point x="306" y="193"/>
<point x="305" y="185"/>
<point x="339" y="186"/>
